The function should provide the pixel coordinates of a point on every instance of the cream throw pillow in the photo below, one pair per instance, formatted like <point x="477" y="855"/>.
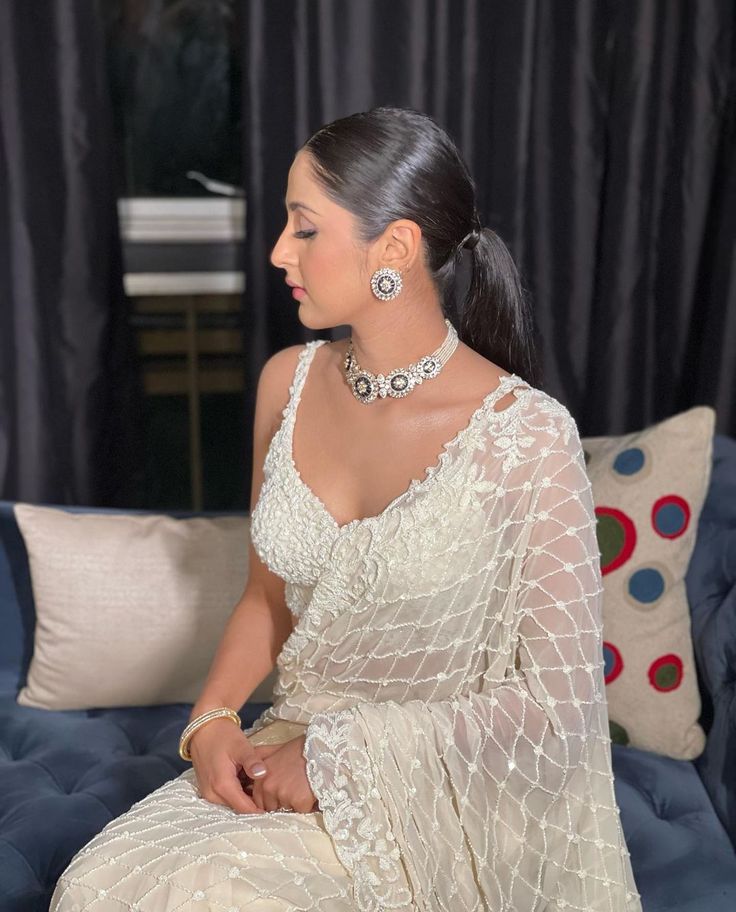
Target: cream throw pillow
<point x="129" y="608"/>
<point x="649" y="488"/>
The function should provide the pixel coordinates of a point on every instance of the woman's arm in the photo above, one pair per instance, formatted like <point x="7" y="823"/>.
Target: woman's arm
<point x="261" y="621"/>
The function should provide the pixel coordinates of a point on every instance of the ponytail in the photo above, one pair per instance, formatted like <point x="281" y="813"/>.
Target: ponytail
<point x="495" y="318"/>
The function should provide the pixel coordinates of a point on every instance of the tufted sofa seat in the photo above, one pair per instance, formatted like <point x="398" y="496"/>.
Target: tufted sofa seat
<point x="64" y="775"/>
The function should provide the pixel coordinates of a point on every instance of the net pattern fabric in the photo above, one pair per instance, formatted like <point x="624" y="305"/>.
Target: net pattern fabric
<point x="446" y="661"/>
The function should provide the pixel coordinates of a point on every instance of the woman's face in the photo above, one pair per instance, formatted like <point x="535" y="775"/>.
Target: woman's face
<point x="320" y="253"/>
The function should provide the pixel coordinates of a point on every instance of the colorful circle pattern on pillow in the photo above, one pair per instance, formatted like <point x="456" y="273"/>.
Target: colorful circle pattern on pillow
<point x="648" y="490"/>
<point x="645" y="585"/>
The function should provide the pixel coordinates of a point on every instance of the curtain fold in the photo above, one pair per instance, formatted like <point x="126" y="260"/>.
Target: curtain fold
<point x="70" y="397"/>
<point x="602" y="140"/>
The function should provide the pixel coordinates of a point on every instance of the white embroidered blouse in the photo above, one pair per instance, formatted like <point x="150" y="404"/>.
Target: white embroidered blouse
<point x="447" y="661"/>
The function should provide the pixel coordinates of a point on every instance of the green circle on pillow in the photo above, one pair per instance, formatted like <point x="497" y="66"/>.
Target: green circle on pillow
<point x="667" y="676"/>
<point x="611" y="536"/>
<point x="618" y="733"/>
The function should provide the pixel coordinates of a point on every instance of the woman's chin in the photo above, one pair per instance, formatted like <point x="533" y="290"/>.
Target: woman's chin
<point x="306" y="315"/>
<point x="310" y="320"/>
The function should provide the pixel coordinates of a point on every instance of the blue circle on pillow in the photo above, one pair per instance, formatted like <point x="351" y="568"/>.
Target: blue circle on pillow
<point x="609" y="660"/>
<point x="629" y="462"/>
<point x="613" y="664"/>
<point x="670" y="519"/>
<point x="646" y="585"/>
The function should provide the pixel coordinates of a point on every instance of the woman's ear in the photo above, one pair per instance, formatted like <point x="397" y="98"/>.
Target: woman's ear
<point x="402" y="244"/>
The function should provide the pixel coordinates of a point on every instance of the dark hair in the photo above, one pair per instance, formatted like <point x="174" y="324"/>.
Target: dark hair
<point x="391" y="163"/>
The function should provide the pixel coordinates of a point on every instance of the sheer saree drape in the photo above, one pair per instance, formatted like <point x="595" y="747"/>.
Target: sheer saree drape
<point x="446" y="666"/>
<point x="447" y="662"/>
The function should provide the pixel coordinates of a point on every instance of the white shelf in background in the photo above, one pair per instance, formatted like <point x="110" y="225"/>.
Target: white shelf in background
<point x="155" y="219"/>
<point x="139" y="284"/>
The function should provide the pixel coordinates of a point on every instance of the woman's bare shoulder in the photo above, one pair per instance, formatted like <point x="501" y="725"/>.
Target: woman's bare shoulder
<point x="274" y="382"/>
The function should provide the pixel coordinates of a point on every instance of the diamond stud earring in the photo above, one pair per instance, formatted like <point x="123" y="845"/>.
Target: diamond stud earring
<point x="386" y="283"/>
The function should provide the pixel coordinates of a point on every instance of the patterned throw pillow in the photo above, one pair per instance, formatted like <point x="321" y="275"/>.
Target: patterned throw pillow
<point x="649" y="488"/>
<point x="129" y="608"/>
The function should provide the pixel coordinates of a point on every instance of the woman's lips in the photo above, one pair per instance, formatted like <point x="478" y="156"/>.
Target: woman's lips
<point x="298" y="292"/>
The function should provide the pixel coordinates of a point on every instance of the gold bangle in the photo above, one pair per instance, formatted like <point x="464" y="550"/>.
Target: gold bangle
<point x="223" y="712"/>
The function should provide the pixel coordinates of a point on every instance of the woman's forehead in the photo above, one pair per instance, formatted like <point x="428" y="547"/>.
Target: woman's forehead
<point x="303" y="191"/>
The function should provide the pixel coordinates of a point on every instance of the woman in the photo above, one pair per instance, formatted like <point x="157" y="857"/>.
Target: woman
<point x="439" y="733"/>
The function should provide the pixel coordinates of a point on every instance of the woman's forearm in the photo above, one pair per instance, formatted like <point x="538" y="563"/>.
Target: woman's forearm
<point x="247" y="652"/>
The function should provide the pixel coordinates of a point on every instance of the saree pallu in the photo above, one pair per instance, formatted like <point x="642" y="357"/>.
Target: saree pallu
<point x="446" y="668"/>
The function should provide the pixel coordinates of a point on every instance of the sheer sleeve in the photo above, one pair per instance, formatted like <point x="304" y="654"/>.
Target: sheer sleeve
<point x="495" y="790"/>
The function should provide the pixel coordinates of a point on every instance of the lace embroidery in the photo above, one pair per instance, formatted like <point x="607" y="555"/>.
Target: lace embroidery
<point x="300" y="554"/>
<point x="366" y="846"/>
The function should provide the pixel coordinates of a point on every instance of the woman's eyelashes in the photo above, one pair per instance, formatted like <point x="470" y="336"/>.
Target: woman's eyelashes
<point x="304" y="234"/>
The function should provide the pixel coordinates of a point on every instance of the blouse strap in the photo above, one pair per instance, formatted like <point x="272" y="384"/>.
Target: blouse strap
<point x="300" y="374"/>
<point x="507" y="383"/>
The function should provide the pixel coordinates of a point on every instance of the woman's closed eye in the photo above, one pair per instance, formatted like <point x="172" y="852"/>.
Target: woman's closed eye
<point x="304" y="234"/>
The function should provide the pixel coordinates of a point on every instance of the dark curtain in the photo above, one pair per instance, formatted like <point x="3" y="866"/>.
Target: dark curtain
<point x="602" y="139"/>
<point x="69" y="390"/>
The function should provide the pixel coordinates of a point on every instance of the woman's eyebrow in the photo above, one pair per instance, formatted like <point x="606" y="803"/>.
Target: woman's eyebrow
<point x="296" y="205"/>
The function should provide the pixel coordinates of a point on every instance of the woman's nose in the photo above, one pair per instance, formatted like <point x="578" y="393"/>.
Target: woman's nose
<point x="280" y="251"/>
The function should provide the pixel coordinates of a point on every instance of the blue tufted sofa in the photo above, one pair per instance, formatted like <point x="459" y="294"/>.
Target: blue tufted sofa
<point x="64" y="775"/>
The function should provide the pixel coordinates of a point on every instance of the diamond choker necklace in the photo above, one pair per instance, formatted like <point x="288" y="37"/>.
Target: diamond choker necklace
<point x="399" y="382"/>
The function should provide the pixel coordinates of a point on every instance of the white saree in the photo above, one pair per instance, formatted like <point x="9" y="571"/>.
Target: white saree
<point x="446" y="665"/>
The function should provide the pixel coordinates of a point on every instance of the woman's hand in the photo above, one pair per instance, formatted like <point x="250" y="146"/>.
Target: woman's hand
<point x="221" y="753"/>
<point x="285" y="785"/>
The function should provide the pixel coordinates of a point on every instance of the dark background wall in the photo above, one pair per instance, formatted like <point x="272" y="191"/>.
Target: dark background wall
<point x="602" y="138"/>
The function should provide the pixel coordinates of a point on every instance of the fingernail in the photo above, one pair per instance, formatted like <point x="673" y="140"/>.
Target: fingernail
<point x="258" y="769"/>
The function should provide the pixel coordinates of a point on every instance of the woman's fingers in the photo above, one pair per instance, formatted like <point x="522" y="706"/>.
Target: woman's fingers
<point x="252" y="757"/>
<point x="270" y="801"/>
<point x="265" y="797"/>
<point x="233" y="795"/>
<point x="265" y="750"/>
<point x="227" y="786"/>
<point x="257" y="794"/>
<point x="252" y="763"/>
<point x="280" y="788"/>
